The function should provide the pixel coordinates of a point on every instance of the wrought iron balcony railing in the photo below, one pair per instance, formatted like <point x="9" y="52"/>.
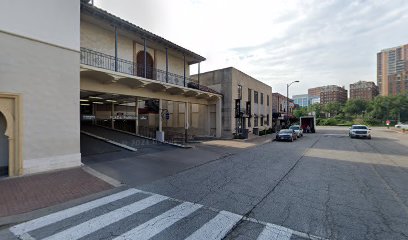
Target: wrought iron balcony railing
<point x="108" y="62"/>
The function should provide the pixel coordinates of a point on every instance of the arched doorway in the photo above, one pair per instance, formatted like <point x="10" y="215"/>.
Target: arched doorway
<point x="141" y="65"/>
<point x="4" y="146"/>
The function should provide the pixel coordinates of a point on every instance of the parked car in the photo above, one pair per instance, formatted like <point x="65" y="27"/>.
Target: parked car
<point x="286" y="135"/>
<point x="402" y="125"/>
<point x="360" y="131"/>
<point x="298" y="130"/>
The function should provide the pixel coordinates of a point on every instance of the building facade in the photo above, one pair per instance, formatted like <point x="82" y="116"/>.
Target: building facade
<point x="392" y="71"/>
<point x="39" y="94"/>
<point x="247" y="102"/>
<point x="333" y="93"/>
<point x="314" y="92"/>
<point x="279" y="106"/>
<point x="135" y="81"/>
<point x="363" y="90"/>
<point x="301" y="100"/>
<point x="87" y="70"/>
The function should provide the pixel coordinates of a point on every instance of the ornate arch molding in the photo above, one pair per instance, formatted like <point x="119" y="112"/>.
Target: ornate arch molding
<point x="10" y="108"/>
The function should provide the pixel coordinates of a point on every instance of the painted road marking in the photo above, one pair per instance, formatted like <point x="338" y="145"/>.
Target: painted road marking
<point x="275" y="232"/>
<point x="107" y="219"/>
<point x="154" y="226"/>
<point x="217" y="227"/>
<point x="26" y="227"/>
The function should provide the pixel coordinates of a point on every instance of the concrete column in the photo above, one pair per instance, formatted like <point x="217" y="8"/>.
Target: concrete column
<point x="208" y="120"/>
<point x="160" y="133"/>
<point x="160" y="115"/>
<point x="137" y="115"/>
<point x="112" y="115"/>
<point x="218" y="118"/>
<point x="186" y="122"/>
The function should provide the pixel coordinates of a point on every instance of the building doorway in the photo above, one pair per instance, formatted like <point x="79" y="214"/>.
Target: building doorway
<point x="4" y="147"/>
<point x="141" y="71"/>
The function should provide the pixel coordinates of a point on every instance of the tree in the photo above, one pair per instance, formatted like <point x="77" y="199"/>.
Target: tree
<point x="315" y="108"/>
<point x="300" y="112"/>
<point x="332" y="108"/>
<point x="355" y="107"/>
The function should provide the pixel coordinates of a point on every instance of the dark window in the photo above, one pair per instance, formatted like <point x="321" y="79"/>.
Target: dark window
<point x="262" y="98"/>
<point x="267" y="119"/>
<point x="249" y="94"/>
<point x="262" y="122"/>
<point x="255" y="121"/>
<point x="267" y="100"/>
<point x="255" y="97"/>
<point x="239" y="92"/>
<point x="249" y="122"/>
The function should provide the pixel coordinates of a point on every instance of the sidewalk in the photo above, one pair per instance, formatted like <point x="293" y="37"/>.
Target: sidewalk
<point x="28" y="193"/>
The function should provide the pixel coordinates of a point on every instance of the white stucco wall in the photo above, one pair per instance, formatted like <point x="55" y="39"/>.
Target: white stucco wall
<point x="51" y="21"/>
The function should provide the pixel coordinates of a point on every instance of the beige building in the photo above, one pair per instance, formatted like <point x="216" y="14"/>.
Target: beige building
<point x="90" y="68"/>
<point x="247" y="102"/>
<point x="39" y="86"/>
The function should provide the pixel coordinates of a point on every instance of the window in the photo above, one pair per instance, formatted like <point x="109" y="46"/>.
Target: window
<point x="249" y="122"/>
<point x="267" y="119"/>
<point x="262" y="121"/>
<point x="249" y="94"/>
<point x="255" y="121"/>
<point x="262" y="98"/>
<point x="239" y="92"/>
<point x="267" y="100"/>
<point x="255" y="97"/>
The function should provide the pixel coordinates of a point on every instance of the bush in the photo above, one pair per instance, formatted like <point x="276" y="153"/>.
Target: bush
<point x="328" y="122"/>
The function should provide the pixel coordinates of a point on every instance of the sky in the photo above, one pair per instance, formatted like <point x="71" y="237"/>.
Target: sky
<point x="315" y="42"/>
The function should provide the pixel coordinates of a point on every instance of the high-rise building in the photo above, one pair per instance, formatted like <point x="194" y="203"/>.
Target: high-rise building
<point x="363" y="90"/>
<point x="392" y="70"/>
<point x="304" y="100"/>
<point x="333" y="93"/>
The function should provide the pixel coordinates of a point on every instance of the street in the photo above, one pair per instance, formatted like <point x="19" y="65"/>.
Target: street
<point x="322" y="186"/>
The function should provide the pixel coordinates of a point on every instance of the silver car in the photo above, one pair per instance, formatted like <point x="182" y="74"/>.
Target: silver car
<point x="298" y="130"/>
<point x="360" y="131"/>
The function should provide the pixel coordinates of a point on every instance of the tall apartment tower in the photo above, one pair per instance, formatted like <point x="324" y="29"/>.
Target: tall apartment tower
<point x="363" y="90"/>
<point x="392" y="70"/>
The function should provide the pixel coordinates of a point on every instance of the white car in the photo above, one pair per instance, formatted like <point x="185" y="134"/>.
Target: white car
<point x="360" y="131"/>
<point x="402" y="125"/>
<point x="298" y="130"/>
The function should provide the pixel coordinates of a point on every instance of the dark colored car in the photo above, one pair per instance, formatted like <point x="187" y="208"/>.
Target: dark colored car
<point x="286" y="135"/>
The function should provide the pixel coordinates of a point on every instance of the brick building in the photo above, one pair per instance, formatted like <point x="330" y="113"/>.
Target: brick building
<point x="392" y="71"/>
<point x="363" y="90"/>
<point x="333" y="93"/>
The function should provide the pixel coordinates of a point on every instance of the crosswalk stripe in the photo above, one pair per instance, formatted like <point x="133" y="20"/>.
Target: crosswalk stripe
<point x="217" y="227"/>
<point x="274" y="232"/>
<point x="154" y="226"/>
<point x="104" y="220"/>
<point x="26" y="227"/>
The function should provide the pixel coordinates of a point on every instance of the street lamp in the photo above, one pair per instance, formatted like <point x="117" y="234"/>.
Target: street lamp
<point x="287" y="101"/>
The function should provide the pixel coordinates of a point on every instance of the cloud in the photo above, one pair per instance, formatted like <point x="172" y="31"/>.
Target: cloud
<point x="316" y="42"/>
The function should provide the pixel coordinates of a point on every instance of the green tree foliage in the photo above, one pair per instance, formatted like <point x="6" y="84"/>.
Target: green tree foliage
<point x="300" y="112"/>
<point x="355" y="107"/>
<point x="332" y="108"/>
<point x="316" y="109"/>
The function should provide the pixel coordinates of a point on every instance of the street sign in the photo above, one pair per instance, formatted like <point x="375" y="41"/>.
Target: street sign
<point x="388" y="122"/>
<point x="167" y="115"/>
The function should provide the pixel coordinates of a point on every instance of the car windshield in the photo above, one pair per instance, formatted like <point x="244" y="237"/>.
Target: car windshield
<point x="359" y="127"/>
<point x="294" y="127"/>
<point x="285" y="131"/>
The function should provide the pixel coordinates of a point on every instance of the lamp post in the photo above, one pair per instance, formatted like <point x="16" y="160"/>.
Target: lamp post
<point x="287" y="101"/>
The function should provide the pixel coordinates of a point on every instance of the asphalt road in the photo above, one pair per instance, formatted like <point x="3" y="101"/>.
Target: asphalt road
<point x="323" y="185"/>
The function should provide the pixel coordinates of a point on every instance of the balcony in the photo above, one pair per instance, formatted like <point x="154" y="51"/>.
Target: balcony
<point x="100" y="60"/>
